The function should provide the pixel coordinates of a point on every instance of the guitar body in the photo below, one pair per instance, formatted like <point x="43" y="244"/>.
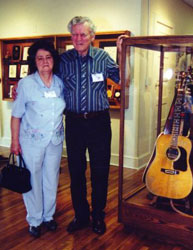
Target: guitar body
<point x="169" y="174"/>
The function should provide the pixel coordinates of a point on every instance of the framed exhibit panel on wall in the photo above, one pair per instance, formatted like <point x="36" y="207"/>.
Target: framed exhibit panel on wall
<point x="14" y="54"/>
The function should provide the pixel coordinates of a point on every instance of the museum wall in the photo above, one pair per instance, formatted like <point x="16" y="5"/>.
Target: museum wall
<point x="44" y="17"/>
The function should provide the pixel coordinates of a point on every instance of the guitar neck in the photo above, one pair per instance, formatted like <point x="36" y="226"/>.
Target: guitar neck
<point x="177" y="118"/>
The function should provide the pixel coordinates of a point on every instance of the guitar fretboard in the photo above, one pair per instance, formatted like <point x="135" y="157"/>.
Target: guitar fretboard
<point x="177" y="118"/>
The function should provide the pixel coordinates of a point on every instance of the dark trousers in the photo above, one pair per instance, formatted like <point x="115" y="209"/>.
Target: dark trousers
<point x="93" y="134"/>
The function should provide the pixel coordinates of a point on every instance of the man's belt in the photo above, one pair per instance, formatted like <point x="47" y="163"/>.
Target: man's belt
<point x="86" y="115"/>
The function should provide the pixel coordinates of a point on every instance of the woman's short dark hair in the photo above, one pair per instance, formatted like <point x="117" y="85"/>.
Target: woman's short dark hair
<point x="45" y="45"/>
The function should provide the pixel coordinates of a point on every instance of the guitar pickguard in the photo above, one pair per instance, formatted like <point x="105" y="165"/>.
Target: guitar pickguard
<point x="178" y="156"/>
<point x="181" y="163"/>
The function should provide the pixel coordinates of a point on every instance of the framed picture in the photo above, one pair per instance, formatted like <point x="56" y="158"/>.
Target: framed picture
<point x="13" y="71"/>
<point x="111" y="48"/>
<point x="25" y="53"/>
<point x="24" y="70"/>
<point x="69" y="46"/>
<point x="16" y="52"/>
<point x="112" y="51"/>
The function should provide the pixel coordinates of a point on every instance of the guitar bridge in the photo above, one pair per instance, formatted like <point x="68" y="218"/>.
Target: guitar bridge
<point x="170" y="171"/>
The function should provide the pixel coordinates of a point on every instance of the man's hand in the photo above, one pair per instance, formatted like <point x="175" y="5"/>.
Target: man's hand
<point x="14" y="91"/>
<point x="120" y="41"/>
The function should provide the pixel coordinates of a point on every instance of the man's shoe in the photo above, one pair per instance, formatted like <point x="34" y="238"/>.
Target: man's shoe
<point x="76" y="225"/>
<point x="98" y="226"/>
<point x="35" y="231"/>
<point x="51" y="225"/>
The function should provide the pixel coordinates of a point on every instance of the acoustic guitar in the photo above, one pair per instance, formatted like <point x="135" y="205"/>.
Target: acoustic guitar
<point x="169" y="174"/>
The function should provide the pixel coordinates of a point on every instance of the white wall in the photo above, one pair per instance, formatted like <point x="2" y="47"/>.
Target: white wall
<point x="175" y="13"/>
<point x="20" y="18"/>
<point x="38" y="17"/>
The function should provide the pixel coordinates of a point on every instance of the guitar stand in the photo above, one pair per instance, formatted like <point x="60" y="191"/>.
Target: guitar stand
<point x="153" y="198"/>
<point x="185" y="204"/>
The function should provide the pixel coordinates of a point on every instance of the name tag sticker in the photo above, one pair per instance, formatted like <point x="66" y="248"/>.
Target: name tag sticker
<point x="50" y="94"/>
<point x="98" y="77"/>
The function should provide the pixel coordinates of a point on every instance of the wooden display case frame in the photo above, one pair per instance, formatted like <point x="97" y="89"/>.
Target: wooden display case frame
<point x="17" y="46"/>
<point x="134" y="210"/>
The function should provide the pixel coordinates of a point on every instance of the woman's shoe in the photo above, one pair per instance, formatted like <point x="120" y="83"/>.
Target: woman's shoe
<point x="35" y="231"/>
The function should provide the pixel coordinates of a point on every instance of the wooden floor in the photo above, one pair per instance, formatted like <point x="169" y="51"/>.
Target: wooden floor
<point x="14" y="229"/>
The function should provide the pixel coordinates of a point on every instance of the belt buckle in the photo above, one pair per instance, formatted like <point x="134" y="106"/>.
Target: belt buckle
<point x="85" y="115"/>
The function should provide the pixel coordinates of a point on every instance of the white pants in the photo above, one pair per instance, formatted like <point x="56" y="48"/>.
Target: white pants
<point x="44" y="165"/>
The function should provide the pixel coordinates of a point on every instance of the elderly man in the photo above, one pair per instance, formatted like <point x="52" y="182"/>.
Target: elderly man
<point x="84" y="71"/>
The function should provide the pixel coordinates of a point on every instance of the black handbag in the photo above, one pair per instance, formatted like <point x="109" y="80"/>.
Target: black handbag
<point x="15" y="178"/>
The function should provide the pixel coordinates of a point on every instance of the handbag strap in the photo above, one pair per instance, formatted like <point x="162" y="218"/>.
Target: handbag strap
<point x="11" y="157"/>
<point x="21" y="160"/>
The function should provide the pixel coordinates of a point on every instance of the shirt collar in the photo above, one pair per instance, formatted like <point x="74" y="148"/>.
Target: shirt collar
<point x="39" y="80"/>
<point x="90" y="52"/>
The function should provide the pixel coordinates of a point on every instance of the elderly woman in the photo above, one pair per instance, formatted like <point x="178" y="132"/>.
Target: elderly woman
<point x="37" y="133"/>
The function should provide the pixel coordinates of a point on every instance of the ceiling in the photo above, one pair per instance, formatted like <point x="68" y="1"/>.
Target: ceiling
<point x="189" y="2"/>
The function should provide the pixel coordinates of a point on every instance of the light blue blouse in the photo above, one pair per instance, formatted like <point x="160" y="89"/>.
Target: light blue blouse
<point x="40" y="109"/>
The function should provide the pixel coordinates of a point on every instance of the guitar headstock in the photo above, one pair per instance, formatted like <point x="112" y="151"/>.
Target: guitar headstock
<point x="184" y="78"/>
<point x="181" y="80"/>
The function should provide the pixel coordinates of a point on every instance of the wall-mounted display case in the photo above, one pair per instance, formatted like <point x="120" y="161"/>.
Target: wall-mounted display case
<point x="14" y="65"/>
<point x="152" y="69"/>
<point x="14" y="59"/>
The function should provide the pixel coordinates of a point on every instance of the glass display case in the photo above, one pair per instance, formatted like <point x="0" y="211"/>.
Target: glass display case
<point x="155" y="72"/>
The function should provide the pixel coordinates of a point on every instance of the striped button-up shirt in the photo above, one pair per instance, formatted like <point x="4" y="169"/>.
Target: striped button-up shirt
<point x="99" y="67"/>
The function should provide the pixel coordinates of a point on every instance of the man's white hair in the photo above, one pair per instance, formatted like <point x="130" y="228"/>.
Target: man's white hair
<point x="80" y="19"/>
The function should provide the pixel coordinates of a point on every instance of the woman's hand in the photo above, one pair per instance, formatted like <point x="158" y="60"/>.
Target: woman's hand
<point x="15" y="147"/>
<point x="15" y="127"/>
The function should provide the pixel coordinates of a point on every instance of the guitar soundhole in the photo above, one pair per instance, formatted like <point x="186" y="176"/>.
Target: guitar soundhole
<point x="172" y="153"/>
